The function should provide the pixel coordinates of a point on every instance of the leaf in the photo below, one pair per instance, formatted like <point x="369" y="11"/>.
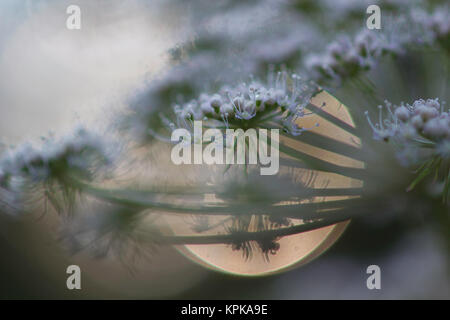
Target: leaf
<point x="422" y="174"/>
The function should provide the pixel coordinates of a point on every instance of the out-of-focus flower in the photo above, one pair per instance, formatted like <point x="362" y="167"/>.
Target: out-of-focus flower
<point x="80" y="154"/>
<point x="348" y="57"/>
<point x="434" y="26"/>
<point x="344" y="58"/>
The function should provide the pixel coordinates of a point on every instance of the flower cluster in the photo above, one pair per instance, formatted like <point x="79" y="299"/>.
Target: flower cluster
<point x="348" y="57"/>
<point x="435" y="26"/>
<point x="420" y="131"/>
<point x="282" y="100"/>
<point x="343" y="58"/>
<point x="424" y="119"/>
<point x="212" y="60"/>
<point x="79" y="154"/>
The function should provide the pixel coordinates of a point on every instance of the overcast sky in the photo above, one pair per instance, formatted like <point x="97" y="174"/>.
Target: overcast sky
<point x="51" y="77"/>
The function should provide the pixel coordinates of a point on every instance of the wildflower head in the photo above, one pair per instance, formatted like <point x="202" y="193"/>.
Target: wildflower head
<point x="421" y="134"/>
<point x="423" y="119"/>
<point x="281" y="100"/>
<point x="80" y="154"/>
<point x="344" y="58"/>
<point x="434" y="26"/>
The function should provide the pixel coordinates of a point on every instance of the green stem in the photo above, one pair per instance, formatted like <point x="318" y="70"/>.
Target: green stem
<point x="321" y="165"/>
<point x="250" y="236"/>
<point x="336" y="121"/>
<point x="328" y="144"/>
<point x="299" y="211"/>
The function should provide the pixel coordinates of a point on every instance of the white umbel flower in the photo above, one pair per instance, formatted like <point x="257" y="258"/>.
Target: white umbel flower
<point x="283" y="99"/>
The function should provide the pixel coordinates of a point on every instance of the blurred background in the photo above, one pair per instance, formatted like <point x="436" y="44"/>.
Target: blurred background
<point x="52" y="78"/>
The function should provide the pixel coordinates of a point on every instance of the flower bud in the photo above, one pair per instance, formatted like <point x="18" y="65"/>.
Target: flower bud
<point x="402" y="113"/>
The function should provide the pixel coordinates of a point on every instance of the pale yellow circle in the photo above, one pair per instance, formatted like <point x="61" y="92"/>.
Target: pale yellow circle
<point x="298" y="249"/>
